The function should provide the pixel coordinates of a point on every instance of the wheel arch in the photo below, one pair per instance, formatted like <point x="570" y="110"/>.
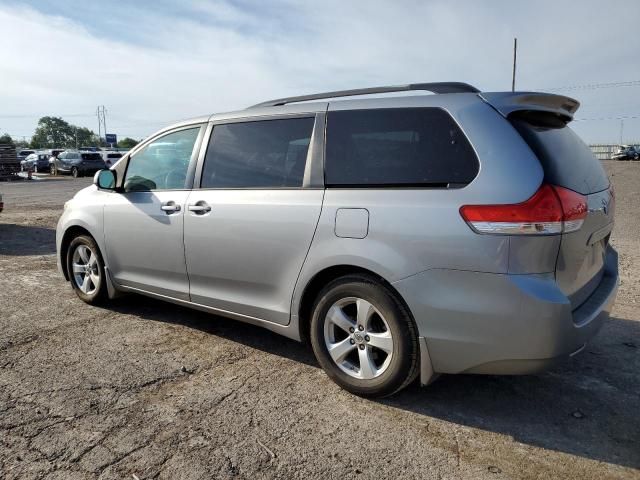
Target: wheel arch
<point x="69" y="234"/>
<point x="326" y="275"/>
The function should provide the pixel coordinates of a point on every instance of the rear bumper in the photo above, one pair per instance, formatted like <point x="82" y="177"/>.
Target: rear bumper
<point x="475" y="322"/>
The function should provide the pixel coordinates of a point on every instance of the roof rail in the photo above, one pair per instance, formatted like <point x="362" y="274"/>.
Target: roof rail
<point x="436" y="87"/>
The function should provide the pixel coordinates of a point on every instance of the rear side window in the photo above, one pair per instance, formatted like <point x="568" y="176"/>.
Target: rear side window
<point x="261" y="154"/>
<point x="403" y="147"/>
<point x="565" y="158"/>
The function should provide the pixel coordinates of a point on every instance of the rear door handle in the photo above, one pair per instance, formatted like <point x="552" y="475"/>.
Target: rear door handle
<point x="170" y="207"/>
<point x="199" y="208"/>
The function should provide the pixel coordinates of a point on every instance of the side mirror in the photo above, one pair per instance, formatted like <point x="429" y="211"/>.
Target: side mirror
<point x="105" y="179"/>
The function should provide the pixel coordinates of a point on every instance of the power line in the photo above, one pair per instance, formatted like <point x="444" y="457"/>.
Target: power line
<point x="58" y="115"/>
<point x="595" y="86"/>
<point x="145" y="124"/>
<point x="621" y="117"/>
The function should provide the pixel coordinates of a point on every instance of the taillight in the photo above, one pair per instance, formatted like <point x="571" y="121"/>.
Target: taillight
<point x="574" y="208"/>
<point x="551" y="210"/>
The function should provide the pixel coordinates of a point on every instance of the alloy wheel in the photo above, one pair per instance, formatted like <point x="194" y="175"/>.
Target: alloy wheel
<point x="86" y="272"/>
<point x="358" y="338"/>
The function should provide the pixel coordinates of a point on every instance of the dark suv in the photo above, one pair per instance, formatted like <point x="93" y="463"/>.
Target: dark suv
<point x="38" y="162"/>
<point x="76" y="163"/>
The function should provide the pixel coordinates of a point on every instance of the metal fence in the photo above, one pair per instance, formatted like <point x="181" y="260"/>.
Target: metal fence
<point x="604" y="151"/>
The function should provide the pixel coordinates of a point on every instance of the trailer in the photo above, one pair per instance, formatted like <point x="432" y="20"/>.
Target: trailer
<point x="9" y="164"/>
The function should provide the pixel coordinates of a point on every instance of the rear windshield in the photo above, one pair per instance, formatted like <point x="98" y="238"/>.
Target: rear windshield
<point x="397" y="147"/>
<point x="91" y="156"/>
<point x="566" y="160"/>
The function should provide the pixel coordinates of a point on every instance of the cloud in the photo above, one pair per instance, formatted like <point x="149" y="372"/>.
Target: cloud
<point x="152" y="63"/>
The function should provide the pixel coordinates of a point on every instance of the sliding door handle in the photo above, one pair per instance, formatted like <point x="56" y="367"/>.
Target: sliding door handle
<point x="199" y="208"/>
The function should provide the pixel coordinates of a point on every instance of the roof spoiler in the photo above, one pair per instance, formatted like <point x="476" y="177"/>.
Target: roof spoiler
<point x="508" y="102"/>
<point x="435" y="87"/>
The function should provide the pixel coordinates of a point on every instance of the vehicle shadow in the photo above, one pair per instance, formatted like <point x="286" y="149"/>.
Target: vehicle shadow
<point x="243" y="333"/>
<point x="26" y="240"/>
<point x="588" y="406"/>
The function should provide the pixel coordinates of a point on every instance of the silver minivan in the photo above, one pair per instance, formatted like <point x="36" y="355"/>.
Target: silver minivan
<point x="402" y="237"/>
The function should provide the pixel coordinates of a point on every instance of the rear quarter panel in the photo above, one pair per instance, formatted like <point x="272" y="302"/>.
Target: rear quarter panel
<point x="414" y="230"/>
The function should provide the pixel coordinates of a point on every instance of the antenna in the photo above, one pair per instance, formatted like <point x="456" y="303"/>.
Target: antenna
<point x="515" y="57"/>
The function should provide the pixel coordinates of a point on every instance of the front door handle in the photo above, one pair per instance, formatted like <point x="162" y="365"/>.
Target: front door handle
<point x="170" y="207"/>
<point x="199" y="208"/>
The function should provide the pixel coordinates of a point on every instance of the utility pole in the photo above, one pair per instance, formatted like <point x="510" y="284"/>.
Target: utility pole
<point x="621" y="129"/>
<point x="99" y="122"/>
<point x="101" y="113"/>
<point x="515" y="55"/>
<point x="76" y="138"/>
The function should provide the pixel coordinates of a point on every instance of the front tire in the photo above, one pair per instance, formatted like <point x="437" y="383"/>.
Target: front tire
<point x="86" y="270"/>
<point x="75" y="172"/>
<point x="52" y="170"/>
<point x="363" y="337"/>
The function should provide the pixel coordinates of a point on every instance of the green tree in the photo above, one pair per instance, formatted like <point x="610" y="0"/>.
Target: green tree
<point x="6" y="138"/>
<point x="53" y="132"/>
<point x="86" y="137"/>
<point x="127" y="143"/>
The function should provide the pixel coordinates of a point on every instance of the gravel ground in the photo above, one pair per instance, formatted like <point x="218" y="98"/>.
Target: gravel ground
<point x="150" y="390"/>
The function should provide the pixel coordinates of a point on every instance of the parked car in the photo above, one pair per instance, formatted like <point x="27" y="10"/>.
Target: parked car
<point x="402" y="237"/>
<point x="37" y="162"/>
<point x="627" y="152"/>
<point x="90" y="149"/>
<point x="54" y="152"/>
<point x="76" y="163"/>
<point x="1" y="203"/>
<point x="22" y="154"/>
<point x="110" y="158"/>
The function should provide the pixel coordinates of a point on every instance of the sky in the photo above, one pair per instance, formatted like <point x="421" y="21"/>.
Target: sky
<point x="151" y="63"/>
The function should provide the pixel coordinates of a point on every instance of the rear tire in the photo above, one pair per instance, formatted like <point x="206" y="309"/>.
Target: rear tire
<point x="52" y="170"/>
<point x="86" y="270"/>
<point x="370" y="334"/>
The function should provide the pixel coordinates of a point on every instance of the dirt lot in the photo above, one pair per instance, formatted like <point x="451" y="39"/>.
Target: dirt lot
<point x="150" y="390"/>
